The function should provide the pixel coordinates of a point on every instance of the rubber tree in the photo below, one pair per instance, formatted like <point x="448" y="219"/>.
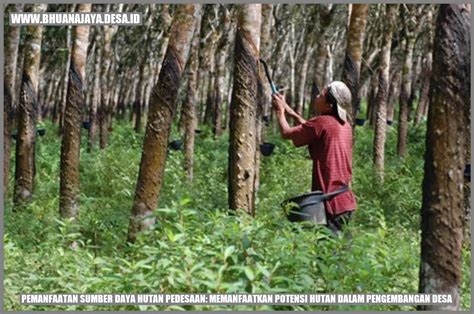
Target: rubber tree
<point x="160" y="117"/>
<point x="442" y="206"/>
<point x="326" y="15"/>
<point x="26" y="133"/>
<point x="12" y="40"/>
<point x="96" y="93"/>
<point x="106" y="79"/>
<point x="188" y="112"/>
<point x="412" y="25"/>
<point x="422" y="108"/>
<point x="71" y="139"/>
<point x="352" y="61"/>
<point x="222" y="47"/>
<point x="382" y="94"/>
<point x="62" y="105"/>
<point x="143" y="57"/>
<point x="242" y="140"/>
<point x="265" y="53"/>
<point x="165" y="19"/>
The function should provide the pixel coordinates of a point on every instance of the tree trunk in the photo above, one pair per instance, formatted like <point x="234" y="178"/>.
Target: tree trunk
<point x="139" y="97"/>
<point x="351" y="69"/>
<point x="393" y="93"/>
<point x="242" y="140"/>
<point x="26" y="134"/>
<point x="372" y="98"/>
<point x="382" y="94"/>
<point x="160" y="116"/>
<point x="66" y="74"/>
<point x="424" y="96"/>
<point x="71" y="140"/>
<point x="404" y="97"/>
<point x="427" y="64"/>
<point x="442" y="207"/>
<point x="189" y="106"/>
<point x="302" y="81"/>
<point x="96" y="96"/>
<point x="210" y="100"/>
<point x="12" y="40"/>
<point x="165" y="24"/>
<point x="265" y="53"/>
<point x="412" y="26"/>
<point x="222" y="48"/>
<point x="106" y="81"/>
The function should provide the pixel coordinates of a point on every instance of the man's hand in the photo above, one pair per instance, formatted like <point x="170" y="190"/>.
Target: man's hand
<point x="279" y="104"/>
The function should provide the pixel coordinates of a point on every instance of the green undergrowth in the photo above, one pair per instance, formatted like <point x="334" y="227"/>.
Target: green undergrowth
<point x="197" y="247"/>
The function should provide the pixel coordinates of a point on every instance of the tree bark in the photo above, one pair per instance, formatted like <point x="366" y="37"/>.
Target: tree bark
<point x="160" y="116"/>
<point x="96" y="96"/>
<point x="66" y="74"/>
<point x="222" y="48"/>
<point x="106" y="80"/>
<point x="26" y="134"/>
<point x="351" y="69"/>
<point x="71" y="140"/>
<point x="393" y="93"/>
<point x="12" y="40"/>
<point x="242" y="140"/>
<point x="302" y="80"/>
<point x="139" y="97"/>
<point x="421" y="110"/>
<point x="189" y="106"/>
<point x="372" y="98"/>
<point x="382" y="94"/>
<point x="165" y="23"/>
<point x="265" y="53"/>
<point x="424" y="96"/>
<point x="412" y="27"/>
<point x="442" y="207"/>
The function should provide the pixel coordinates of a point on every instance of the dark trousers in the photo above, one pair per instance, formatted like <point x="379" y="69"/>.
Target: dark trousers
<point x="337" y="223"/>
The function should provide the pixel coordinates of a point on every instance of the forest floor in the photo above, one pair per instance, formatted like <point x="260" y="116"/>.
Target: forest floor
<point x="196" y="247"/>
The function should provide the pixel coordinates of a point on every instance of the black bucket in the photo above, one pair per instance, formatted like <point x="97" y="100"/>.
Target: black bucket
<point x="41" y="132"/>
<point x="86" y="125"/>
<point x="176" y="144"/>
<point x="14" y="136"/>
<point x="389" y="122"/>
<point x="266" y="119"/>
<point x="306" y="207"/>
<point x="267" y="148"/>
<point x="197" y="131"/>
<point x="360" y="122"/>
<point x="467" y="172"/>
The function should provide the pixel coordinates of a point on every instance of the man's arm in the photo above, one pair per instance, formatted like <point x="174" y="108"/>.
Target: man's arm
<point x="285" y="128"/>
<point x="292" y="113"/>
<point x="280" y="107"/>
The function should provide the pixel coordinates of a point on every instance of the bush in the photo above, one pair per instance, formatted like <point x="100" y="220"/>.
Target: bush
<point x="196" y="246"/>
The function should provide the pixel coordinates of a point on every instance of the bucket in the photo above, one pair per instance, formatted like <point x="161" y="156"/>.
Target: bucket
<point x="41" y="132"/>
<point x="306" y="207"/>
<point x="360" y="122"/>
<point x="266" y="119"/>
<point x="176" y="144"/>
<point x="197" y="131"/>
<point x="267" y="148"/>
<point x="467" y="172"/>
<point x="86" y="125"/>
<point x="389" y="122"/>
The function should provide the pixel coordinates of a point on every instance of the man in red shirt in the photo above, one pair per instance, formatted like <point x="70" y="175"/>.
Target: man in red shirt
<point x="329" y="139"/>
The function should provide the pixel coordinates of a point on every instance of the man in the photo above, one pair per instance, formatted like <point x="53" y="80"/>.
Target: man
<point x="329" y="140"/>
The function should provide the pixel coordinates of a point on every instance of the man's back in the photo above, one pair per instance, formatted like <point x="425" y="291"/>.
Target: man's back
<point x="330" y="146"/>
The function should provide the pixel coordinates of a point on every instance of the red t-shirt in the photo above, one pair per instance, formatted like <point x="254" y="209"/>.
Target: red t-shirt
<point x="330" y="146"/>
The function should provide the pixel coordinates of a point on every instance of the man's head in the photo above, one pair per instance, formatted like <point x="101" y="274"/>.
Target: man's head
<point x="332" y="100"/>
